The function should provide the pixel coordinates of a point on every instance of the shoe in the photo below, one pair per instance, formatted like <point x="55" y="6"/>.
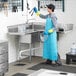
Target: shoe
<point x="58" y="64"/>
<point x="54" y="65"/>
<point x="48" y="62"/>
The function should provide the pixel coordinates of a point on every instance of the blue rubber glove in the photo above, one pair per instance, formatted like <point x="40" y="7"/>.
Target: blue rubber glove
<point x="35" y="9"/>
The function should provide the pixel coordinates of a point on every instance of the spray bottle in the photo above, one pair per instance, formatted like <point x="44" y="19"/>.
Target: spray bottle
<point x="73" y="48"/>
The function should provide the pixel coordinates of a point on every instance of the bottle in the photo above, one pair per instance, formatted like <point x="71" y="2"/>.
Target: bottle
<point x="73" y="49"/>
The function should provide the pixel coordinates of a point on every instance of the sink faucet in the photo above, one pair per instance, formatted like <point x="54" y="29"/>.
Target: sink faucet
<point x="27" y="22"/>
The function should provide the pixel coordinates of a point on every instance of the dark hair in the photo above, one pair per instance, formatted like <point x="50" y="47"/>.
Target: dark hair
<point x="51" y="6"/>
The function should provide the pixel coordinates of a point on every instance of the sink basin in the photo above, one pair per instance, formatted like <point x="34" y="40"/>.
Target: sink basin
<point x="35" y="26"/>
<point x="16" y="28"/>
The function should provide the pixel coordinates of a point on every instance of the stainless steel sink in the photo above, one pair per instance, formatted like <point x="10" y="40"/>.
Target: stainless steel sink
<point x="25" y="28"/>
<point x="27" y="32"/>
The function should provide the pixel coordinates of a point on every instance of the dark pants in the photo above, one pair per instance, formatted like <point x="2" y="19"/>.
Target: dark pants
<point x="59" y="60"/>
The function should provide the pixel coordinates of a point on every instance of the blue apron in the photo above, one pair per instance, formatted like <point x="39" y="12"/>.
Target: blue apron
<point x="50" y="45"/>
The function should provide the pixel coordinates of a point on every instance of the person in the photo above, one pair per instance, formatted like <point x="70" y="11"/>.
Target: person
<point x="50" y="51"/>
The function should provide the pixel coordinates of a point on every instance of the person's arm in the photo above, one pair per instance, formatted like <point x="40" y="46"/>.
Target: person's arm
<point x="54" y="20"/>
<point x="39" y="14"/>
<point x="43" y="16"/>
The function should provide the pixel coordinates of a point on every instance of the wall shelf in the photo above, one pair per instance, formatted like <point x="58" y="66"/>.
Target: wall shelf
<point x="12" y="5"/>
<point x="59" y="4"/>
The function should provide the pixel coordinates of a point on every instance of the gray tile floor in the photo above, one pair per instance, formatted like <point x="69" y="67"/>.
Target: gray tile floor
<point x="23" y="69"/>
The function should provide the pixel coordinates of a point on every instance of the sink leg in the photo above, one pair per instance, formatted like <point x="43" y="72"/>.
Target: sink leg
<point x="33" y="50"/>
<point x="30" y="56"/>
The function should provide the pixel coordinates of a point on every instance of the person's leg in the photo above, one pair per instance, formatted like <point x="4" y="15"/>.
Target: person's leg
<point x="58" y="62"/>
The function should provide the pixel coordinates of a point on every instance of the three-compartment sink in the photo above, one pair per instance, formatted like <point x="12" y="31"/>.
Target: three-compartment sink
<point x="26" y="28"/>
<point x="28" y="32"/>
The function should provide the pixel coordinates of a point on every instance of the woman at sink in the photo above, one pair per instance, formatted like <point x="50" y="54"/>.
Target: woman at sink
<point x="50" y="51"/>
